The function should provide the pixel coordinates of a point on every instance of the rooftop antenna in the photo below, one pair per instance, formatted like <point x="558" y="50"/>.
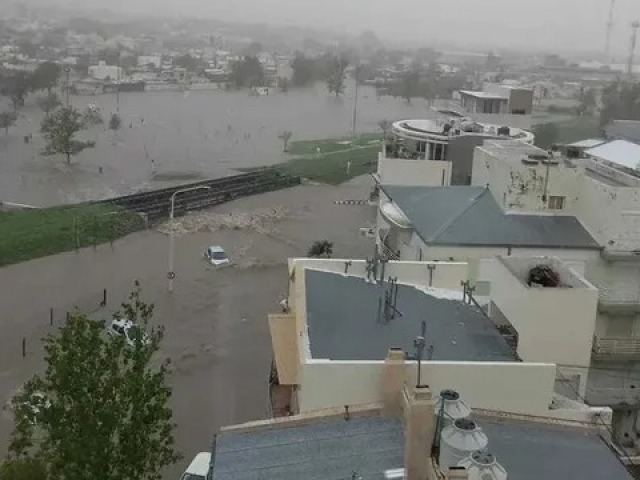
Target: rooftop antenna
<point x="634" y="40"/>
<point x="610" y="25"/>
<point x="419" y="343"/>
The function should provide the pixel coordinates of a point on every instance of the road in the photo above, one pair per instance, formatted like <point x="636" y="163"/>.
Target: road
<point x="215" y="320"/>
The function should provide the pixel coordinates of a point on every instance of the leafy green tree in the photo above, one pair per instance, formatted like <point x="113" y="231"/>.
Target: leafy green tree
<point x="59" y="130"/>
<point x="620" y="101"/>
<point x="16" y="86"/>
<point x="285" y="137"/>
<point x="304" y="70"/>
<point x="23" y="469"/>
<point x="409" y="86"/>
<point x="336" y="75"/>
<point x="107" y="414"/>
<point x="46" y="76"/>
<point x="588" y="102"/>
<point x="8" y="119"/>
<point x="187" y="62"/>
<point x="547" y="134"/>
<point x="49" y="102"/>
<point x="115" y="122"/>
<point x="248" y="72"/>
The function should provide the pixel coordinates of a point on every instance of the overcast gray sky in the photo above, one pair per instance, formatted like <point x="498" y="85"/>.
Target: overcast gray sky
<point x="563" y="24"/>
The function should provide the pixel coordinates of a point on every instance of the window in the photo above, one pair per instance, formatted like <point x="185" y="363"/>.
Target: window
<point x="555" y="203"/>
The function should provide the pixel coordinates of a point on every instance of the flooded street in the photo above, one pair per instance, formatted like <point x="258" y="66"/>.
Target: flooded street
<point x="170" y="137"/>
<point x="216" y="320"/>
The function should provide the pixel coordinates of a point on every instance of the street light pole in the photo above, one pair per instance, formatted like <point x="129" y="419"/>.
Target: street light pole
<point x="170" y="273"/>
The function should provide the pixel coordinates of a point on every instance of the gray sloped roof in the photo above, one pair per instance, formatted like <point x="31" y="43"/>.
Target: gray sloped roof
<point x="533" y="451"/>
<point x="324" y="449"/>
<point x="342" y="315"/>
<point x="470" y="216"/>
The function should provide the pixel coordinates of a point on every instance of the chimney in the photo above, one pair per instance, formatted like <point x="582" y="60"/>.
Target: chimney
<point x="392" y="382"/>
<point x="457" y="473"/>
<point x="419" y="429"/>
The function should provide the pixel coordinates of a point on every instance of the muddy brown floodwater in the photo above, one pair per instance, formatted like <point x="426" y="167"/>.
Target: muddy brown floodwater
<point x="215" y="320"/>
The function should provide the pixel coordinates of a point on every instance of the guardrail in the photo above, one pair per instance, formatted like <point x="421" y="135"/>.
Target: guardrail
<point x="156" y="204"/>
<point x="619" y="347"/>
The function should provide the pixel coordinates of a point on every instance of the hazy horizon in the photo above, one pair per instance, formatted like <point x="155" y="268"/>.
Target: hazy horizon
<point x="577" y="25"/>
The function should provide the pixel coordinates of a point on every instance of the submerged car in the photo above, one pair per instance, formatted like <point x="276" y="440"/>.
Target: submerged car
<point x="127" y="329"/>
<point x="216" y="256"/>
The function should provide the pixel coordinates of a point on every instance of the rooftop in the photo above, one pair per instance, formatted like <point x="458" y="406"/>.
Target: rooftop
<point x="342" y="316"/>
<point x="484" y="95"/>
<point x="470" y="216"/>
<point x="620" y="152"/>
<point x="325" y="449"/>
<point x="587" y="143"/>
<point x="460" y="126"/>
<point x="531" y="451"/>
<point x="335" y="448"/>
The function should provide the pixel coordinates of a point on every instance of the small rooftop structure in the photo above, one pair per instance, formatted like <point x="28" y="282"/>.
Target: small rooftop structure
<point x="484" y="95"/>
<point x="344" y="324"/>
<point x="619" y="152"/>
<point x="470" y="216"/>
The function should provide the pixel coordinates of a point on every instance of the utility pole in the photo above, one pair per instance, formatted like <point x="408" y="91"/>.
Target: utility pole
<point x="355" y="103"/>
<point x="67" y="70"/>
<point x="118" y="84"/>
<point x="634" y="40"/>
<point x="610" y="25"/>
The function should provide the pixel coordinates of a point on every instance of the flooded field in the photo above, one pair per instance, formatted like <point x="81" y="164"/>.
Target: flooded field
<point x="173" y="137"/>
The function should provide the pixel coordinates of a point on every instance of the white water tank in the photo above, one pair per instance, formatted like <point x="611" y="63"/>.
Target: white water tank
<point x="452" y="406"/>
<point x="459" y="440"/>
<point x="483" y="466"/>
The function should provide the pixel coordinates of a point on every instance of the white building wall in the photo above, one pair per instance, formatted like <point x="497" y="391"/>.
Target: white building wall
<point x="428" y="173"/>
<point x="554" y="324"/>
<point x="519" y="186"/>
<point x="103" y="71"/>
<point x="511" y="387"/>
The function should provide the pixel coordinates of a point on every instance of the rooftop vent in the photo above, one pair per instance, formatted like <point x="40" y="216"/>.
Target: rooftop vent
<point x="452" y="406"/>
<point x="482" y="465"/>
<point x="459" y="440"/>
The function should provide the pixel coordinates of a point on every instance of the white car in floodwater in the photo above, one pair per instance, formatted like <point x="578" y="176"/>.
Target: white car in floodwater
<point x="216" y="256"/>
<point x="120" y="327"/>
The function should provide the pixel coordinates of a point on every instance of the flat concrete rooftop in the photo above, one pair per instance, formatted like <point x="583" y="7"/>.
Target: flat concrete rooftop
<point x="342" y="316"/>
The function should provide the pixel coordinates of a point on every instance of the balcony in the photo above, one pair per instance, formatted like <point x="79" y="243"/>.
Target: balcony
<point x="616" y="348"/>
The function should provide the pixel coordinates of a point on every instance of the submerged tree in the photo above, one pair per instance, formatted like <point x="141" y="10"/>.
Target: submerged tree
<point x="49" y="102"/>
<point x="321" y="249"/>
<point x="59" y="130"/>
<point x="336" y="75"/>
<point x="115" y="122"/>
<point x="107" y="414"/>
<point x="285" y="137"/>
<point x="46" y="76"/>
<point x="92" y="116"/>
<point x="7" y="120"/>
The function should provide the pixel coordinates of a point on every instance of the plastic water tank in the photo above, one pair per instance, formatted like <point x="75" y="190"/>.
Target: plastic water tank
<point x="459" y="440"/>
<point x="483" y="466"/>
<point x="453" y="407"/>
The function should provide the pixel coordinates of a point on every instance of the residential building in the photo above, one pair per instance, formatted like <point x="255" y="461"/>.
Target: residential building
<point x="345" y="315"/>
<point x="437" y="152"/>
<point x="102" y="71"/>
<point x="498" y="99"/>
<point x="153" y="61"/>
<point x="600" y="188"/>
<point x="413" y="435"/>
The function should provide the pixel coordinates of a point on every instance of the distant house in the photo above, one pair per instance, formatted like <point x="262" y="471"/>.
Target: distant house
<point x="102" y="71"/>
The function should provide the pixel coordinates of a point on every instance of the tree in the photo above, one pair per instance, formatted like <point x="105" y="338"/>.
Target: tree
<point x="8" y="119"/>
<point x="248" y="72"/>
<point x="321" y="249"/>
<point x="49" y="102"/>
<point x="46" y="76"/>
<point x="92" y="116"/>
<point x="620" y="101"/>
<point x="115" y="122"/>
<point x="23" y="469"/>
<point x="336" y="75"/>
<point x="59" y="130"/>
<point x="187" y="62"/>
<point x="16" y="85"/>
<point x="285" y="137"/>
<point x="107" y="412"/>
<point x="304" y="70"/>
<point x="283" y="84"/>
<point x="409" y="86"/>
<point x="28" y="48"/>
